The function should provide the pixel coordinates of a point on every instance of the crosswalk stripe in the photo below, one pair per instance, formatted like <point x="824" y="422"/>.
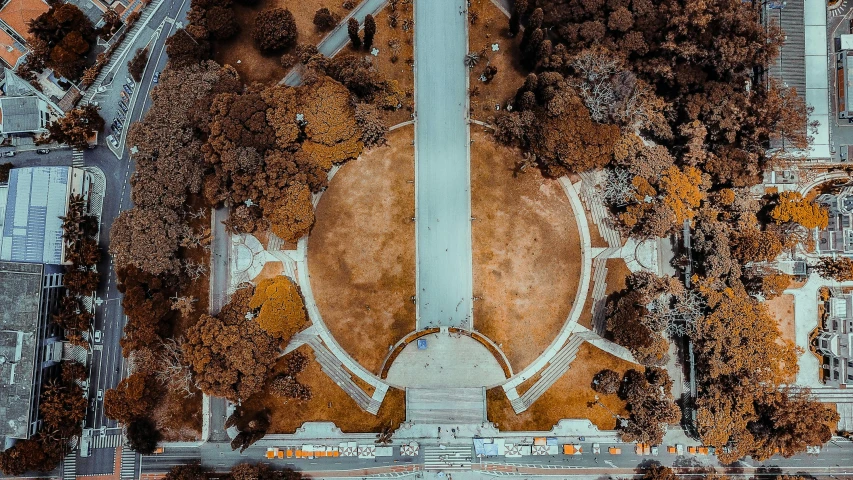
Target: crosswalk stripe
<point x="77" y="158"/>
<point x="448" y="458"/>
<point x="128" y="464"/>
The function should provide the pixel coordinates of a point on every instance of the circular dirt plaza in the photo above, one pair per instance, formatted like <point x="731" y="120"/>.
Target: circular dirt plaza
<point x="526" y="266"/>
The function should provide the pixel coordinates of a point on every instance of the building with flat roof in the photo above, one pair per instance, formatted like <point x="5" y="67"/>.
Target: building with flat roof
<point x="30" y="206"/>
<point x="23" y="115"/>
<point x="834" y="341"/>
<point x="837" y="237"/>
<point x="29" y="349"/>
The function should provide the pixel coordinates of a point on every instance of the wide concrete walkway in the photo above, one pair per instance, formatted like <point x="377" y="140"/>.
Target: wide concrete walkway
<point x="448" y="361"/>
<point x="442" y="181"/>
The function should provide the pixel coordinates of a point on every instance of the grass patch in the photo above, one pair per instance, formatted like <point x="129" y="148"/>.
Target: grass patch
<point x="526" y="251"/>
<point x="329" y="403"/>
<point x="491" y="27"/>
<point x="361" y="253"/>
<point x="570" y="397"/>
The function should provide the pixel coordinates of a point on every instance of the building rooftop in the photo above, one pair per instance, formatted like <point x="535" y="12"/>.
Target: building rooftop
<point x="30" y="208"/>
<point x="11" y="50"/>
<point x="20" y="296"/>
<point x="16" y="13"/>
<point x="20" y="114"/>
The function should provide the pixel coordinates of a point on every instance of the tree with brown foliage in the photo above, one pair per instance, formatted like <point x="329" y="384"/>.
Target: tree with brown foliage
<point x="136" y="66"/>
<point x="190" y="471"/>
<point x="369" y="31"/>
<point x="371" y="123"/>
<point x="352" y="31"/>
<point x="839" y="269"/>
<point x="34" y="454"/>
<point x="650" y="404"/>
<point x="324" y="20"/>
<point x="67" y="35"/>
<point x="143" y="436"/>
<point x="5" y="168"/>
<point x="230" y="355"/>
<point x="518" y="10"/>
<point x="261" y="471"/>
<point x="147" y="238"/>
<point x="274" y="30"/>
<point x="606" y="381"/>
<point x="73" y="371"/>
<point x="188" y="46"/>
<point x="63" y="407"/>
<point x="556" y="126"/>
<point x="76" y="127"/>
<point x="292" y="217"/>
<point x="657" y="471"/>
<point x="132" y="399"/>
<point x="80" y="280"/>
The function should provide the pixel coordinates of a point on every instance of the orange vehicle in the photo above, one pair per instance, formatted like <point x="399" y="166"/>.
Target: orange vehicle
<point x="615" y="450"/>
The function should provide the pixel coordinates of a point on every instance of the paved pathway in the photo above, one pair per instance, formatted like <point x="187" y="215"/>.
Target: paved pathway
<point x="442" y="186"/>
<point x="451" y="360"/>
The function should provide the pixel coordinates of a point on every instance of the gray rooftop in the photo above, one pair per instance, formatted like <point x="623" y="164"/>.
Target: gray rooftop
<point x="30" y="207"/>
<point x="20" y="295"/>
<point x="20" y="114"/>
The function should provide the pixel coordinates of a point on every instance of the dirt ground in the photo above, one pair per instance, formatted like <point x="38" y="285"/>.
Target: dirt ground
<point x="570" y="397"/>
<point x="401" y="70"/>
<point x="329" y="403"/>
<point x="254" y="66"/>
<point x="527" y="257"/>
<point x="361" y="253"/>
<point x="270" y="270"/>
<point x="490" y="27"/>
<point x="782" y="309"/>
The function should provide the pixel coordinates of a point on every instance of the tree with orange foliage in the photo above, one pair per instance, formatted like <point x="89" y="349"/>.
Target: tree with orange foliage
<point x="839" y="269"/>
<point x="792" y="207"/>
<point x="292" y="217"/>
<point x="282" y="312"/>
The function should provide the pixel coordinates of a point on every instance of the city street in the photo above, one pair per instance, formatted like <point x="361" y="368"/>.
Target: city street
<point x="107" y="362"/>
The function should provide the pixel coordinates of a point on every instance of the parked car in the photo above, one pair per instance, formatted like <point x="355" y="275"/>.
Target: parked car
<point x="123" y="107"/>
<point x="10" y="153"/>
<point x="98" y="336"/>
<point x="112" y="140"/>
<point x="121" y="116"/>
<point x="118" y="122"/>
<point x="127" y="89"/>
<point x="42" y="151"/>
<point x="123" y="95"/>
<point x="130" y="82"/>
<point x="100" y="394"/>
<point x="156" y="78"/>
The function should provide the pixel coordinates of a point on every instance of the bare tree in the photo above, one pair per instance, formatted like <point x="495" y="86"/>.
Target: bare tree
<point x="618" y="188"/>
<point x="675" y="314"/>
<point x="172" y="371"/>
<point x="192" y="238"/>
<point x="384" y="436"/>
<point x="185" y="305"/>
<point x="595" y="85"/>
<point x="193" y="269"/>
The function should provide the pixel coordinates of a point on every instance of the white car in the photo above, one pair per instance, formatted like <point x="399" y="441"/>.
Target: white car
<point x="100" y="394"/>
<point x="655" y="451"/>
<point x="98" y="336"/>
<point x="113" y="140"/>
